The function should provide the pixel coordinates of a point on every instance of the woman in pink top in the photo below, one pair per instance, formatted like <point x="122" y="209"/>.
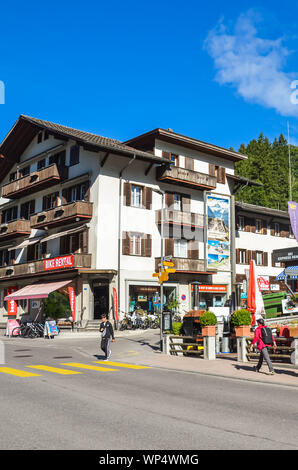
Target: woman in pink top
<point x="262" y="347"/>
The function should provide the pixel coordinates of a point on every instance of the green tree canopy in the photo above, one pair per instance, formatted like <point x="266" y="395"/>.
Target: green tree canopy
<point x="268" y="163"/>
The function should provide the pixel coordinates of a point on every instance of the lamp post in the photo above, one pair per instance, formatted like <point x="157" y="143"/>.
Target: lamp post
<point x="160" y="191"/>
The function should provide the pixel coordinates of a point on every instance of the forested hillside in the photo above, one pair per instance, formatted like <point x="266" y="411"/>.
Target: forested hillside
<point x="268" y="163"/>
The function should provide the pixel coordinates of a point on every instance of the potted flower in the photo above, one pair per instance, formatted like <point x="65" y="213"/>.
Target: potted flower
<point x="208" y="322"/>
<point x="293" y="328"/>
<point x="241" y="320"/>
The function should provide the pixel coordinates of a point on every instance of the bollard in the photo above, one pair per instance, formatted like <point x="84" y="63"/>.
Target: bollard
<point x="241" y="349"/>
<point x="166" y="344"/>
<point x="209" y="348"/>
<point x="294" y="355"/>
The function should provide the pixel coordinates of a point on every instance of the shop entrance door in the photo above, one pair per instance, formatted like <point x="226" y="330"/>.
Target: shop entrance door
<point x="101" y="301"/>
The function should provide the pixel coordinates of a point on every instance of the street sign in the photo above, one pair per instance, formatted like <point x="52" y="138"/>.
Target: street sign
<point x="168" y="263"/>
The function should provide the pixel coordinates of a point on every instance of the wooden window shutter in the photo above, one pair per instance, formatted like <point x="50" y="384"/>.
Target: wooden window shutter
<point x="125" y="243"/>
<point x="211" y="169"/>
<point x="221" y="175"/>
<point x="193" y="249"/>
<point x="272" y="260"/>
<point x="189" y="163"/>
<point x="74" y="157"/>
<point x="246" y="224"/>
<point x="169" y="247"/>
<point x="169" y="200"/>
<point x="237" y="256"/>
<point x="185" y="203"/>
<point x="265" y="258"/>
<point x="264" y="228"/>
<point x="127" y="194"/>
<point x="254" y="255"/>
<point x="166" y="155"/>
<point x="148" y="198"/>
<point x="83" y="241"/>
<point x="148" y="246"/>
<point x="248" y="256"/>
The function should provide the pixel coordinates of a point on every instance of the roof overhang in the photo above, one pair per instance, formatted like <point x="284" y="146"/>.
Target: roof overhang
<point x="146" y="141"/>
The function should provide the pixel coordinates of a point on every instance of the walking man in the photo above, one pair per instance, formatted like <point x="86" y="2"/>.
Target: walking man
<point x="107" y="335"/>
<point x="263" y="338"/>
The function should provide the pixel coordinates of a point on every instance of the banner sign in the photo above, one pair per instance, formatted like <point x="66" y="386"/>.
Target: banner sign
<point x="72" y="301"/>
<point x="211" y="288"/>
<point x="12" y="306"/>
<point x="293" y="213"/>
<point x="51" y="328"/>
<point x="115" y="303"/>
<point x="58" y="263"/>
<point x="11" y="325"/>
<point x="263" y="282"/>
<point x="218" y="232"/>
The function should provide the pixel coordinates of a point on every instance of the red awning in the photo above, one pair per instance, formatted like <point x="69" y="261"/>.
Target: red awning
<point x="36" y="291"/>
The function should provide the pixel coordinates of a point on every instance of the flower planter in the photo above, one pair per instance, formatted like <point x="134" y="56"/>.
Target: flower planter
<point x="243" y="330"/>
<point x="209" y="330"/>
<point x="293" y="331"/>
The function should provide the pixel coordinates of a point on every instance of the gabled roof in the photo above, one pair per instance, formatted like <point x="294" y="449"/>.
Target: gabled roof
<point x="146" y="141"/>
<point x="26" y="128"/>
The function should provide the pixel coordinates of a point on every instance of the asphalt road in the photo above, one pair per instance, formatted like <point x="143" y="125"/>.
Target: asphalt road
<point x="134" y="408"/>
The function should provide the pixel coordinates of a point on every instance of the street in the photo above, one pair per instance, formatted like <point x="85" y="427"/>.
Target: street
<point x="64" y="404"/>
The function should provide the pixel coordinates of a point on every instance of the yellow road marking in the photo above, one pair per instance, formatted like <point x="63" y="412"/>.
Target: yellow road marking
<point x="87" y="366"/>
<point x="121" y="364"/>
<point x="17" y="372"/>
<point x="56" y="370"/>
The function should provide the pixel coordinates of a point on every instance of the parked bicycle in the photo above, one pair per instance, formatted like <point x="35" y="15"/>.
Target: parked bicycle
<point x="29" y="330"/>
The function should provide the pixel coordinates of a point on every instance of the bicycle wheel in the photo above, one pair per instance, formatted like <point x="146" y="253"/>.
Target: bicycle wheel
<point x="16" y="331"/>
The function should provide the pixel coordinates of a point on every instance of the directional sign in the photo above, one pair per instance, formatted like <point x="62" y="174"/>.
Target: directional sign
<point x="168" y="263"/>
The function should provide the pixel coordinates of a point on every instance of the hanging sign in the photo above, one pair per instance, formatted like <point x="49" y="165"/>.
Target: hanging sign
<point x="12" y="306"/>
<point x="58" y="263"/>
<point x="72" y="301"/>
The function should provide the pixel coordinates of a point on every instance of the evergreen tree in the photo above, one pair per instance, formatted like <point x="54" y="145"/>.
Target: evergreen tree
<point x="268" y="163"/>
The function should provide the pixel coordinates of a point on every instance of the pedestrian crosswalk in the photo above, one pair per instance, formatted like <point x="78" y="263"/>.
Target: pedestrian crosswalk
<point x="70" y="368"/>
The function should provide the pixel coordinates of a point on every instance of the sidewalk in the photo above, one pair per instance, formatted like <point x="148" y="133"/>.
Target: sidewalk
<point x="224" y="366"/>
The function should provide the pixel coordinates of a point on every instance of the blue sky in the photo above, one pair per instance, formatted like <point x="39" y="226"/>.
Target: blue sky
<point x="217" y="71"/>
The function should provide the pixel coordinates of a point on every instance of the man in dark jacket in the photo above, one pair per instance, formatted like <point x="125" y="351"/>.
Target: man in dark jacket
<point x="107" y="335"/>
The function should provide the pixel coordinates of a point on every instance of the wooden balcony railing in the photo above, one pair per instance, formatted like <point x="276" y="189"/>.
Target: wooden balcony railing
<point x="173" y="217"/>
<point x="184" y="177"/>
<point x="78" y="260"/>
<point x="14" y="229"/>
<point x="36" y="181"/>
<point x="185" y="264"/>
<point x="74" y="211"/>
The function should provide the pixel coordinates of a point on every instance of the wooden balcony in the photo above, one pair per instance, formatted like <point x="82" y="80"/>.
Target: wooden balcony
<point x="74" y="212"/>
<point x="38" y="267"/>
<point x="14" y="229"/>
<point x="36" y="181"/>
<point x="184" y="177"/>
<point x="186" y="265"/>
<point x="173" y="217"/>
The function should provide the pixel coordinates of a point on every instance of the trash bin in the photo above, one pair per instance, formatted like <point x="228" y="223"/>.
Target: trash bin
<point x="191" y="323"/>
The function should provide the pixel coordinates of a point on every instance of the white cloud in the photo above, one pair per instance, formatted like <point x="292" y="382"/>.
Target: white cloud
<point x="253" y="65"/>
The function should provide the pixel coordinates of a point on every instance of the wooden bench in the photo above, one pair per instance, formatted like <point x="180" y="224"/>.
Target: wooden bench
<point x="282" y="354"/>
<point x="185" y="345"/>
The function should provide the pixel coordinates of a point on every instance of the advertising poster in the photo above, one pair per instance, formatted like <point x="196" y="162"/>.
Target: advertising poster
<point x="218" y="232"/>
<point x="72" y="302"/>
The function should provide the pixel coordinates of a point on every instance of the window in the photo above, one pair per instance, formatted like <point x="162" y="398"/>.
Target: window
<point x="136" y="196"/>
<point x="242" y="256"/>
<point x="50" y="201"/>
<point x="74" y="157"/>
<point x="180" y="248"/>
<point x="259" y="258"/>
<point x="135" y="241"/>
<point x="259" y="226"/>
<point x="74" y="243"/>
<point x="36" y="251"/>
<point x="241" y="222"/>
<point x="75" y="193"/>
<point x="276" y="230"/>
<point x="9" y="214"/>
<point x="25" y="171"/>
<point x="58" y="158"/>
<point x="13" y="176"/>
<point x="177" y="202"/>
<point x="7" y="257"/>
<point x="27" y="209"/>
<point x="39" y="137"/>
<point x="174" y="159"/>
<point x="41" y="164"/>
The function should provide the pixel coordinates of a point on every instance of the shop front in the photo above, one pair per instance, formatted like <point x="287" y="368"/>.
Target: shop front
<point x="145" y="297"/>
<point x="212" y="297"/>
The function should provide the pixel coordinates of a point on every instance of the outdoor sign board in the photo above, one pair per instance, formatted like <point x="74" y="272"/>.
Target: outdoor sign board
<point x="51" y="328"/>
<point x="263" y="282"/>
<point x="12" y="306"/>
<point x="285" y="254"/>
<point x="218" y="232"/>
<point x="293" y="213"/>
<point x="11" y="324"/>
<point x="58" y="263"/>
<point x="215" y="288"/>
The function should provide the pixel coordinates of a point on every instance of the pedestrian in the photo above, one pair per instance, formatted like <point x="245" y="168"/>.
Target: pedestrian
<point x="107" y="335"/>
<point x="263" y="343"/>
